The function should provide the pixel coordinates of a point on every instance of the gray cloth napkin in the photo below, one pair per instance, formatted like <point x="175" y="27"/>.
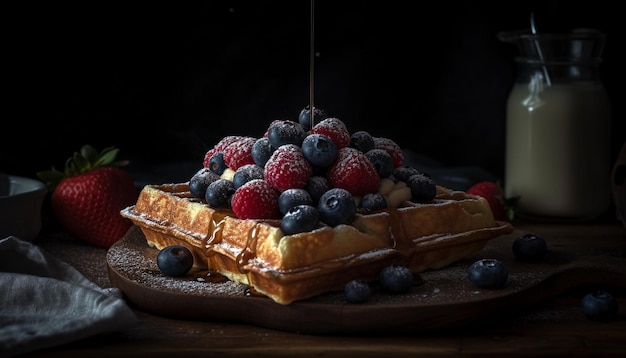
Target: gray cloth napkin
<point x="45" y="302"/>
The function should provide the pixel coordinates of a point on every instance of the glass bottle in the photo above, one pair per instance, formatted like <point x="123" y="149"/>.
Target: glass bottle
<point x="558" y="126"/>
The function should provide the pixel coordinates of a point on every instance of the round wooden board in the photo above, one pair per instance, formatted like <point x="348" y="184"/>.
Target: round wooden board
<point x="444" y="300"/>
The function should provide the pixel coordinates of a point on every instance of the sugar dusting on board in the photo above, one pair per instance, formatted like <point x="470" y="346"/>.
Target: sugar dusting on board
<point x="135" y="260"/>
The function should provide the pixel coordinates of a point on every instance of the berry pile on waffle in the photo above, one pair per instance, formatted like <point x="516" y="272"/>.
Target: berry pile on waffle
<point x="308" y="207"/>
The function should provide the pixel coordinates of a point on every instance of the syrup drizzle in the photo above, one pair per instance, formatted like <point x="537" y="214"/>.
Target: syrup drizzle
<point x="312" y="62"/>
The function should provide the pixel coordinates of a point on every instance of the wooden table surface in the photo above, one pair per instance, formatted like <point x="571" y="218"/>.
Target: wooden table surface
<point x="556" y="327"/>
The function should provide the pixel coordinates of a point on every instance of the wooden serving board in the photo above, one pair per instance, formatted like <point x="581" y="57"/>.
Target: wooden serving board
<point x="444" y="299"/>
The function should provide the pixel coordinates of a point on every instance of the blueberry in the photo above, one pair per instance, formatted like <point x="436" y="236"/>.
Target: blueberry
<point x="316" y="187"/>
<point x="319" y="150"/>
<point x="336" y="206"/>
<point x="219" y="193"/>
<point x="373" y="201"/>
<point x="422" y="188"/>
<point x="175" y="260"/>
<point x="304" y="118"/>
<point x="217" y="164"/>
<point x="402" y="173"/>
<point x="300" y="218"/>
<point x="292" y="197"/>
<point x="200" y="181"/>
<point x="283" y="132"/>
<point x="245" y="173"/>
<point x="262" y="151"/>
<point x="382" y="161"/>
<point x="357" y="291"/>
<point x="396" y="279"/>
<point x="600" y="306"/>
<point x="530" y="248"/>
<point x="488" y="273"/>
<point x="362" y="141"/>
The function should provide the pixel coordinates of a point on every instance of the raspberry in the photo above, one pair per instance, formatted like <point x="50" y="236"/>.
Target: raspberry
<point x="239" y="153"/>
<point x="354" y="172"/>
<point x="219" y="147"/>
<point x="335" y="129"/>
<point x="390" y="147"/>
<point x="256" y="199"/>
<point x="287" y="168"/>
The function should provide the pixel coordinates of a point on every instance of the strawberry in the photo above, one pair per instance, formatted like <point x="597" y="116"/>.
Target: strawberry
<point x="287" y="168"/>
<point x="87" y="197"/>
<point x="354" y="172"/>
<point x="256" y="199"/>
<point x="503" y="209"/>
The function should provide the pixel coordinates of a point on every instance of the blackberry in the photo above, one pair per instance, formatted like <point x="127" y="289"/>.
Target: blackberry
<point x="362" y="141"/>
<point x="422" y="188"/>
<point x="382" y="161"/>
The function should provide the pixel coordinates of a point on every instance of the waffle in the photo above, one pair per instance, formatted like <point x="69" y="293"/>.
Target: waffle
<point x="288" y="268"/>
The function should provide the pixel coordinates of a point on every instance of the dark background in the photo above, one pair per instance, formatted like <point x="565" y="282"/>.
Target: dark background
<point x="164" y="81"/>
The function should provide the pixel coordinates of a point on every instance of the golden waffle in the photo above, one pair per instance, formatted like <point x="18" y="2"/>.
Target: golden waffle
<point x="453" y="226"/>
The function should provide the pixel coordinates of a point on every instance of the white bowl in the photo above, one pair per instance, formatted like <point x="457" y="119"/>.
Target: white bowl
<point x="21" y="200"/>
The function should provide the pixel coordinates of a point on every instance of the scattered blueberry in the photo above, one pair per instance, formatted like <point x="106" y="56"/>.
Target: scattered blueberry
<point x="488" y="273"/>
<point x="337" y="206"/>
<point x="292" y="197"/>
<point x="319" y="150"/>
<point x="600" y="306"/>
<point x="530" y="248"/>
<point x="300" y="218"/>
<point x="357" y="291"/>
<point x="217" y="164"/>
<point x="175" y="260"/>
<point x="200" y="181"/>
<point x="219" y="193"/>
<point x="382" y="161"/>
<point x="396" y="279"/>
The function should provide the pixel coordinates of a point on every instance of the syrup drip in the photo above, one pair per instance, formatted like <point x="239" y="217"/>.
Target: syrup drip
<point x="209" y="276"/>
<point x="249" y="251"/>
<point x="312" y="62"/>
